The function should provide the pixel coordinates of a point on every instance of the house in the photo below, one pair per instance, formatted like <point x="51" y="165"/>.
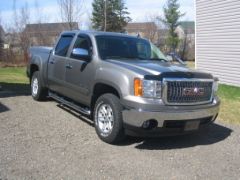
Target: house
<point x="46" y="33"/>
<point x="186" y="29"/>
<point x="218" y="39"/>
<point x="146" y="30"/>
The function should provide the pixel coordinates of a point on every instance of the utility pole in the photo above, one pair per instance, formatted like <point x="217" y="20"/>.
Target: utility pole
<point x="105" y="15"/>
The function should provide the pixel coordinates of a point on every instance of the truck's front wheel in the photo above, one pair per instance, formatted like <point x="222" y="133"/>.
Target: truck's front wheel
<point x="38" y="92"/>
<point x="108" y="119"/>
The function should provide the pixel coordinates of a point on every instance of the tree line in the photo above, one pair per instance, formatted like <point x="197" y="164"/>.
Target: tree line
<point x="107" y="15"/>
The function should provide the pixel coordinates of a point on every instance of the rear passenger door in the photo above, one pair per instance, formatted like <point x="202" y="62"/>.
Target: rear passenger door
<point x="56" y="64"/>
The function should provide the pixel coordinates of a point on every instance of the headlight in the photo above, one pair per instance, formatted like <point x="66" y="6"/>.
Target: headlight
<point x="147" y="88"/>
<point x="215" y="86"/>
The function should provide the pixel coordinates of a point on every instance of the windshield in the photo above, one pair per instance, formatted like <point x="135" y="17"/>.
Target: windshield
<point x="156" y="53"/>
<point x="119" y="47"/>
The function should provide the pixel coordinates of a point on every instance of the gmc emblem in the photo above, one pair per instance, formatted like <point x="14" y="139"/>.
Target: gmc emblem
<point x="193" y="91"/>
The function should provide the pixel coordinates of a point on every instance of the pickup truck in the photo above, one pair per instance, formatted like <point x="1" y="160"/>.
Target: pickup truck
<point x="124" y="84"/>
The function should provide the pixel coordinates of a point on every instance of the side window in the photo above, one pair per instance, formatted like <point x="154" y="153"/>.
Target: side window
<point x="83" y="43"/>
<point x="143" y="50"/>
<point x="63" y="45"/>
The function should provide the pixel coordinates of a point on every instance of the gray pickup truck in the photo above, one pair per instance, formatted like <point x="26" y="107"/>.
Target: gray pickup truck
<point x="124" y="84"/>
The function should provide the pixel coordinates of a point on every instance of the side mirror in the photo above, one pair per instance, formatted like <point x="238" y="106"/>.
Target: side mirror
<point x="80" y="53"/>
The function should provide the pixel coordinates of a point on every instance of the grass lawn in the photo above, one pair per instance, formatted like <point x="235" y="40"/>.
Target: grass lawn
<point x="13" y="75"/>
<point x="230" y="96"/>
<point x="230" y="103"/>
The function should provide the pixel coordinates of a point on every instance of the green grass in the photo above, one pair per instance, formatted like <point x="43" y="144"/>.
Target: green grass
<point x="13" y="75"/>
<point x="191" y="64"/>
<point x="230" y="104"/>
<point x="15" y="79"/>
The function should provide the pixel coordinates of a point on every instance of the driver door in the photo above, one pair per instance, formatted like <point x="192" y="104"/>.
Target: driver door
<point x="78" y="74"/>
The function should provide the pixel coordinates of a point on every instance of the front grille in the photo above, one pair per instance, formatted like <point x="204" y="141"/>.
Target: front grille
<point x="188" y="92"/>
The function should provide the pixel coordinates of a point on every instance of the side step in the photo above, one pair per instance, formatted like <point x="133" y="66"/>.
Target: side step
<point x="70" y="104"/>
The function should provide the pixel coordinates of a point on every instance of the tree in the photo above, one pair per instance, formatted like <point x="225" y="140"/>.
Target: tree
<point x="109" y="15"/>
<point x="20" y="37"/>
<point x="187" y="46"/>
<point x="171" y="18"/>
<point x="1" y="39"/>
<point x="71" y="11"/>
<point x="24" y="37"/>
<point x="152" y="27"/>
<point x="41" y="39"/>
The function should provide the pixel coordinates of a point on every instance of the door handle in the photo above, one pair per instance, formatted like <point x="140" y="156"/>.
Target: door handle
<point x="52" y="61"/>
<point x="68" y="66"/>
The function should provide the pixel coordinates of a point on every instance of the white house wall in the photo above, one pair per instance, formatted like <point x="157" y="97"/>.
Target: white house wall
<point x="218" y="39"/>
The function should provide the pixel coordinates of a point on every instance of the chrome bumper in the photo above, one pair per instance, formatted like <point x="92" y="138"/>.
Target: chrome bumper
<point x="136" y="118"/>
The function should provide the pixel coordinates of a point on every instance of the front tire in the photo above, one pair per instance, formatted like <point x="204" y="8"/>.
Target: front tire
<point x="38" y="91"/>
<point x="108" y="119"/>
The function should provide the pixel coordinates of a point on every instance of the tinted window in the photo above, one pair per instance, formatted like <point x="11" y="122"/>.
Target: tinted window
<point x="82" y="42"/>
<point x="63" y="45"/>
<point x="123" y="47"/>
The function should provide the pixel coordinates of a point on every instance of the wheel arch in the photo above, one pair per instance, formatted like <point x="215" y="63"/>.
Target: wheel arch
<point x="101" y="88"/>
<point x="33" y="68"/>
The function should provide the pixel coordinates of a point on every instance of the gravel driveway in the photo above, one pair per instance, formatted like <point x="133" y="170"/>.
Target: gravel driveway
<point x="40" y="140"/>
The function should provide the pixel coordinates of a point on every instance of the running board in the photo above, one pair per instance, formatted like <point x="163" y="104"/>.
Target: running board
<point x="72" y="105"/>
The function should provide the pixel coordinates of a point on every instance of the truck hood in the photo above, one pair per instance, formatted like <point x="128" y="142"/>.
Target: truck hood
<point x="149" y="67"/>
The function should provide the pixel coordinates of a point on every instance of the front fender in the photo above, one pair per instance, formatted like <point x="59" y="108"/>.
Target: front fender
<point x="116" y="79"/>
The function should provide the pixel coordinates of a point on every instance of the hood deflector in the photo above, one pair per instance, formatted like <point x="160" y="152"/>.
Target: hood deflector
<point x="188" y="75"/>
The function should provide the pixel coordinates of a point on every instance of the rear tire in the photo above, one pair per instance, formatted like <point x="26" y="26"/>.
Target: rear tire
<point x="38" y="92"/>
<point x="108" y="119"/>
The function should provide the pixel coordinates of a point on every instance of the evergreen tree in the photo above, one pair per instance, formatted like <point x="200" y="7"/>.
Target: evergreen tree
<point x="109" y="15"/>
<point x="172" y="15"/>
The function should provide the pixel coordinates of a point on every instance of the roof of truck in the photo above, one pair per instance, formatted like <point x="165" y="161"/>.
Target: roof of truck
<point x="95" y="33"/>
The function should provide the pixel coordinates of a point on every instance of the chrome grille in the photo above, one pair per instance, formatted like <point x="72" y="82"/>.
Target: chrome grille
<point x="187" y="92"/>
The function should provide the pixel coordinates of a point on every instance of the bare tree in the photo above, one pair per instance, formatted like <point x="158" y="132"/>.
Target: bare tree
<point x="187" y="46"/>
<point x="20" y="36"/>
<point x="71" y="11"/>
<point x="39" y="37"/>
<point x="184" y="45"/>
<point x="1" y="39"/>
<point x="25" y="40"/>
<point x="0" y="18"/>
<point x="151" y="28"/>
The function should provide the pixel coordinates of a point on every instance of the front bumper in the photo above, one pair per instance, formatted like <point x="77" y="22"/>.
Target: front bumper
<point x="134" y="118"/>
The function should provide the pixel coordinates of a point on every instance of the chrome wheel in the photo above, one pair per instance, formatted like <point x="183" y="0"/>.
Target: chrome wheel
<point x="34" y="86"/>
<point x="104" y="119"/>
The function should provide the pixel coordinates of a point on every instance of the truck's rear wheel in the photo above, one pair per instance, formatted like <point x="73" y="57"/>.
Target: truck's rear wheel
<point x="38" y="91"/>
<point x="108" y="119"/>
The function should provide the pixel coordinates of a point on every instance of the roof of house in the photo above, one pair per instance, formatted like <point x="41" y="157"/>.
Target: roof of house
<point x="140" y="26"/>
<point x="188" y="26"/>
<point x="50" y="27"/>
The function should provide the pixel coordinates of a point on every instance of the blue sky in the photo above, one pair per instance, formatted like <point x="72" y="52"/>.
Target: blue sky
<point x="139" y="10"/>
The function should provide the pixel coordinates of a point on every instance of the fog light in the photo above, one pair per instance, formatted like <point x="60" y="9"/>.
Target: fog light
<point x="150" y="124"/>
<point x="146" y="124"/>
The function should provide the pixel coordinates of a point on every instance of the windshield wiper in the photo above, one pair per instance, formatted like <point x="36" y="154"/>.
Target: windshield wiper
<point x="158" y="59"/>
